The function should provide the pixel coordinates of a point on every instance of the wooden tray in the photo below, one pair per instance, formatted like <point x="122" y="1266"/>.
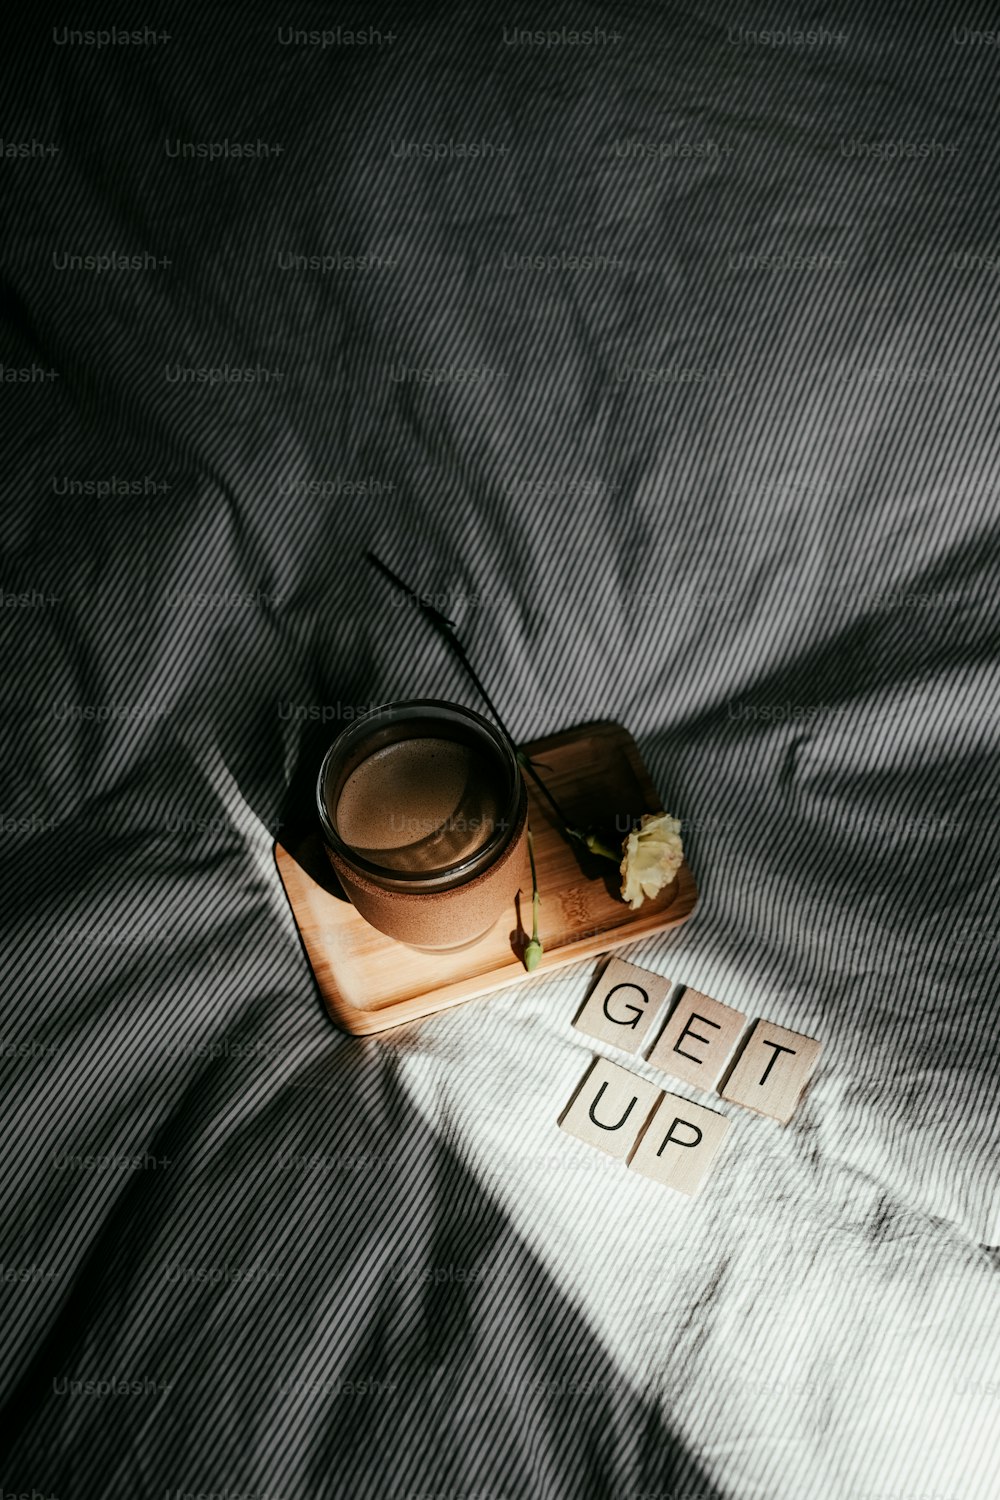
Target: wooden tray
<point x="370" y="982"/>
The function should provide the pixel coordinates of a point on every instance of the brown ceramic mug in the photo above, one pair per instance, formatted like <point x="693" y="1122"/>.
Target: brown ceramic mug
<point x="424" y="815"/>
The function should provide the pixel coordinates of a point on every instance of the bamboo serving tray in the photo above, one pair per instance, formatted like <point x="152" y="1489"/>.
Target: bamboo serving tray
<point x="370" y="982"/>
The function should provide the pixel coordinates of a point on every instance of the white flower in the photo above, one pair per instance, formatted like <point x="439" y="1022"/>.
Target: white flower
<point x="651" y="856"/>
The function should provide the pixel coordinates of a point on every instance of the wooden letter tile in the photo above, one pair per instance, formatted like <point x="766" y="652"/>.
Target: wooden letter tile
<point x="622" y="1005"/>
<point x="680" y="1144"/>
<point x="698" y="1040"/>
<point x="610" y="1108"/>
<point x="772" y="1071"/>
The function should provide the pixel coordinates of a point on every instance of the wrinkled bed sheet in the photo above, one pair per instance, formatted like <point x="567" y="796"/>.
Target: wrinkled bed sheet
<point x="333" y="1267"/>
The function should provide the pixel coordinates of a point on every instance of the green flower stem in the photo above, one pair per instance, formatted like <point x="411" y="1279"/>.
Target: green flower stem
<point x="525" y="763"/>
<point x="533" y="952"/>
<point x="596" y="846"/>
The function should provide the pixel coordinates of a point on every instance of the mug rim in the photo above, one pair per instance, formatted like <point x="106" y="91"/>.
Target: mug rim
<point x="482" y="859"/>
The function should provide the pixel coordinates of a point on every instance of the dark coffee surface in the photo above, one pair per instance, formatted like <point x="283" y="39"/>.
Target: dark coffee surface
<point x="419" y="805"/>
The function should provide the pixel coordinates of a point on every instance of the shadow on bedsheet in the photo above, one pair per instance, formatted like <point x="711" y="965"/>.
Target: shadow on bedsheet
<point x="405" y="1275"/>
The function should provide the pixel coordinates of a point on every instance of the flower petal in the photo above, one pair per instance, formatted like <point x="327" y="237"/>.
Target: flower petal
<point x="651" y="856"/>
